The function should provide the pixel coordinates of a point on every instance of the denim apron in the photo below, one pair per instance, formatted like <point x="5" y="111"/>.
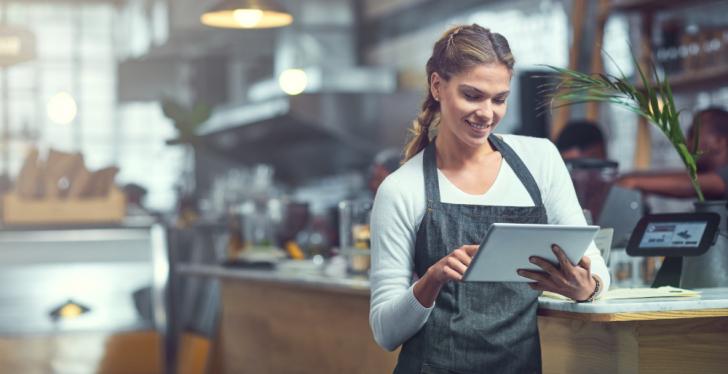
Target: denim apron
<point x="474" y="327"/>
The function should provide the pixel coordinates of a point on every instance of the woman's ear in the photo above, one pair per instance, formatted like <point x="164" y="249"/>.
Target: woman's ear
<point x="435" y="85"/>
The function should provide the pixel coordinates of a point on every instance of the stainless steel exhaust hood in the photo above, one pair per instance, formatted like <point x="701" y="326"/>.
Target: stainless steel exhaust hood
<point x="315" y="133"/>
<point x="333" y="126"/>
<point x="343" y="117"/>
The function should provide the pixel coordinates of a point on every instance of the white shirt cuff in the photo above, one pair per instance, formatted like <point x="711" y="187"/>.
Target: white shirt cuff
<point x="414" y="305"/>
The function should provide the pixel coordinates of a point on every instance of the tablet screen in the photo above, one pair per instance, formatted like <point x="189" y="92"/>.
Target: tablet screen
<point x="673" y="234"/>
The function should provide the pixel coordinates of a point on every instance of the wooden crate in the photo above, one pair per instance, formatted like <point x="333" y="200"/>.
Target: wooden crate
<point x="109" y="209"/>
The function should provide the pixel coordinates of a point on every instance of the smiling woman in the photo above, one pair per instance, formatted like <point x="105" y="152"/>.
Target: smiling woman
<point x="487" y="63"/>
<point x="459" y="178"/>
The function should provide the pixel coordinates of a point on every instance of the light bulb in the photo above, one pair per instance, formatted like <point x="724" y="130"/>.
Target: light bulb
<point x="293" y="81"/>
<point x="62" y="108"/>
<point x="248" y="18"/>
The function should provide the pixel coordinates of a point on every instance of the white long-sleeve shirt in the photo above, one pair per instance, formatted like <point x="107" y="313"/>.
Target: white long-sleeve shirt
<point x="395" y="315"/>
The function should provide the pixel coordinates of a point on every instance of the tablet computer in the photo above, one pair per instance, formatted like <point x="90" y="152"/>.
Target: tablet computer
<point x="507" y="247"/>
<point x="674" y="234"/>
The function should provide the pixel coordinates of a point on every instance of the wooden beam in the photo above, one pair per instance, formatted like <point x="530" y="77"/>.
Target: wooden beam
<point x="578" y="17"/>
<point x="597" y="62"/>
<point x="643" y="145"/>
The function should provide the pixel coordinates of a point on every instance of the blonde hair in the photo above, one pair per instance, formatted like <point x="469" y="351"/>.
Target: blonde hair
<point x="459" y="49"/>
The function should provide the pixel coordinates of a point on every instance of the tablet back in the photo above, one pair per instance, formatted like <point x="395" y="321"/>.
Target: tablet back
<point x="622" y="210"/>
<point x="507" y="247"/>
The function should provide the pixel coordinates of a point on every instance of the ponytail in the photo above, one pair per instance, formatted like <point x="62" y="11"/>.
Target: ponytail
<point x="428" y="118"/>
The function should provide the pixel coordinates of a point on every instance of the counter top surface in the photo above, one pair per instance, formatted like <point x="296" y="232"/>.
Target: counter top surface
<point x="712" y="302"/>
<point x="304" y="278"/>
<point x="715" y="299"/>
<point x="130" y="223"/>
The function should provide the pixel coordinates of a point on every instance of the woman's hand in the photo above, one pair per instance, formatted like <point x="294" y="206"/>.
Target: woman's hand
<point x="573" y="281"/>
<point x="449" y="268"/>
<point x="454" y="265"/>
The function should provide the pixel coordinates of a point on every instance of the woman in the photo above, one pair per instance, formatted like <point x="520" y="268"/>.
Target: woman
<point x="430" y="214"/>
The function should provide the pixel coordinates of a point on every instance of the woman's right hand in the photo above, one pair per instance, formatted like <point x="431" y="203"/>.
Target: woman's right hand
<point x="449" y="268"/>
<point x="453" y="266"/>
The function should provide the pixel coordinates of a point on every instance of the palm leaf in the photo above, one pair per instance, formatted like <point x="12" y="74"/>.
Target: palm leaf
<point x="653" y="102"/>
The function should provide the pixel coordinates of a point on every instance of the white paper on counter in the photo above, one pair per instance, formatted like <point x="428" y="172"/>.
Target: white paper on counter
<point x="635" y="293"/>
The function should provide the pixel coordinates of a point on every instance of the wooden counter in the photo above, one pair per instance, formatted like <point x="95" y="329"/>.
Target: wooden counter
<point x="273" y="322"/>
<point x="282" y="323"/>
<point x="636" y="336"/>
<point x="274" y="328"/>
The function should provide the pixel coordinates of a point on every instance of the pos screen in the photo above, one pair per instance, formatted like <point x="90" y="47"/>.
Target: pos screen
<point x="675" y="234"/>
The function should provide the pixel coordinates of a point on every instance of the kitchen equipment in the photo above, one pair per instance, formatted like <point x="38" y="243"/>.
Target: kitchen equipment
<point x="593" y="179"/>
<point x="354" y="234"/>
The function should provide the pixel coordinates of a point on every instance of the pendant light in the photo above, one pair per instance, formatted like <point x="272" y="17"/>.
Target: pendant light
<point x="247" y="14"/>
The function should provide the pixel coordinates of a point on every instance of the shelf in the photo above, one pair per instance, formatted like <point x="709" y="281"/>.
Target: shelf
<point x="707" y="77"/>
<point x="642" y="5"/>
<point x="714" y="76"/>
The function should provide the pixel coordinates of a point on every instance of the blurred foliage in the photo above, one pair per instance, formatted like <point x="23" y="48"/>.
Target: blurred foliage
<point x="651" y="100"/>
<point x="186" y="119"/>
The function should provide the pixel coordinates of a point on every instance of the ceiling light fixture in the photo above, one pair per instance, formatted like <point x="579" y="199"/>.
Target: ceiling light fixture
<point x="247" y="14"/>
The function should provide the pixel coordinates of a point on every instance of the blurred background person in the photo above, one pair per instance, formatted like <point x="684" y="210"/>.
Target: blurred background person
<point x="712" y="163"/>
<point x="385" y="163"/>
<point x="582" y="146"/>
<point x="581" y="139"/>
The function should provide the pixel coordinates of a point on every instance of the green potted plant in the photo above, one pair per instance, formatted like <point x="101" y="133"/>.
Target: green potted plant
<point x="186" y="120"/>
<point x="654" y="101"/>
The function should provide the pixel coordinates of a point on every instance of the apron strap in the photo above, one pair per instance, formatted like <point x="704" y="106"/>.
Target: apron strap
<point x="432" y="186"/>
<point x="429" y="165"/>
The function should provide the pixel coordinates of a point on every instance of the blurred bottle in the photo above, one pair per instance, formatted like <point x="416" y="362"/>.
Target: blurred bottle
<point x="712" y="47"/>
<point x="690" y="49"/>
<point x="667" y="51"/>
<point x="235" y="236"/>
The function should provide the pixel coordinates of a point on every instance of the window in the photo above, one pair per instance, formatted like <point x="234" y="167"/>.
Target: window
<point x="76" y="53"/>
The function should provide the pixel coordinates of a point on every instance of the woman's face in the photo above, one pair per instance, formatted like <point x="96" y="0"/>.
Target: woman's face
<point x="472" y="102"/>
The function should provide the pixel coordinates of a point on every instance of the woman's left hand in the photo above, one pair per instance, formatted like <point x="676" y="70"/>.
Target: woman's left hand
<point x="573" y="281"/>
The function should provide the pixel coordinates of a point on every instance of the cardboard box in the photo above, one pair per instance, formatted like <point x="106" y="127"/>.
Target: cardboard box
<point x="96" y="210"/>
